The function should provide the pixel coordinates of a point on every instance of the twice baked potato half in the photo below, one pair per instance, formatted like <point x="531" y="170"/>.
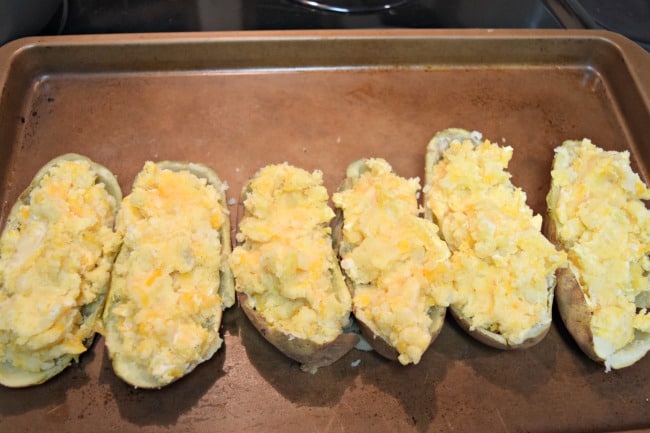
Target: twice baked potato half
<point x="287" y="278"/>
<point x="56" y="254"/>
<point x="171" y="278"/>
<point x="503" y="267"/>
<point x="396" y="265"/>
<point x="597" y="214"/>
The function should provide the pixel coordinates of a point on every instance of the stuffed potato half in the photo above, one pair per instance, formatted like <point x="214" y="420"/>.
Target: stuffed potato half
<point x="56" y="254"/>
<point x="287" y="278"/>
<point x="503" y="267"/>
<point x="171" y="278"/>
<point x="395" y="263"/>
<point x="597" y="214"/>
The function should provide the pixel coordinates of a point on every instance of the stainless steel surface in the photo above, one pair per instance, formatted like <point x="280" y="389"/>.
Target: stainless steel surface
<point x="237" y="101"/>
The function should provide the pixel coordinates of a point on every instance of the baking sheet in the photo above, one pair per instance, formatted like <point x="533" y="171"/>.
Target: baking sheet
<point x="319" y="100"/>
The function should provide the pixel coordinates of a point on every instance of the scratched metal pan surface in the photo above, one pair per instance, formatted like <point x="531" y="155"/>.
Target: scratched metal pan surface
<point x="238" y="101"/>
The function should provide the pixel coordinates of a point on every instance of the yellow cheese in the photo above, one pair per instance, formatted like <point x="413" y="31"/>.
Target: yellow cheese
<point x="286" y="261"/>
<point x="596" y="201"/>
<point x="395" y="259"/>
<point x="503" y="266"/>
<point x="53" y="262"/>
<point x="164" y="308"/>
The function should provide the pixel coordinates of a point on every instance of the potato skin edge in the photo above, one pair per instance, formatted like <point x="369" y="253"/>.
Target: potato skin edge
<point x="434" y="153"/>
<point x="133" y="374"/>
<point x="571" y="302"/>
<point x="377" y="342"/>
<point x="16" y="378"/>
<point x="493" y="339"/>
<point x="309" y="354"/>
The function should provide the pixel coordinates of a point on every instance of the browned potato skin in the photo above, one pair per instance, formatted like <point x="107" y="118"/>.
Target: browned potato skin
<point x="310" y="355"/>
<point x="493" y="339"/>
<point x="16" y="378"/>
<point x="489" y="338"/>
<point x="384" y="348"/>
<point x="571" y="302"/>
<point x="377" y="342"/>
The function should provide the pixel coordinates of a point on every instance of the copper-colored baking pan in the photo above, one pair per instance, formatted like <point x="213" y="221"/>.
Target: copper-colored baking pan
<point x="237" y="101"/>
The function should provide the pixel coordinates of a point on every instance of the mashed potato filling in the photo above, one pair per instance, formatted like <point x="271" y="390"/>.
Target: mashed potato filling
<point x="502" y="265"/>
<point x="395" y="259"/>
<point x="596" y="201"/>
<point x="286" y="261"/>
<point x="165" y="300"/>
<point x="53" y="262"/>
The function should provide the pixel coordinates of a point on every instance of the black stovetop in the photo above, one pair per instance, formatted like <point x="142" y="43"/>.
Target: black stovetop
<point x="628" y="17"/>
<point x="101" y="16"/>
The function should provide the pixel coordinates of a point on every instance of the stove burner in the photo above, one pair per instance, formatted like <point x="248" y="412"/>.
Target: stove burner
<point x="353" y="6"/>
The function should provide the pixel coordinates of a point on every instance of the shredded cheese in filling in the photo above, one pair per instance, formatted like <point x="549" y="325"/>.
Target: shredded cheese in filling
<point x="596" y="202"/>
<point x="53" y="262"/>
<point x="286" y="262"/>
<point x="396" y="260"/>
<point x="165" y="303"/>
<point x="502" y="265"/>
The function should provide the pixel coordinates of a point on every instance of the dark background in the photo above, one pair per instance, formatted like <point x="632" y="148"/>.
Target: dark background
<point x="629" y="17"/>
